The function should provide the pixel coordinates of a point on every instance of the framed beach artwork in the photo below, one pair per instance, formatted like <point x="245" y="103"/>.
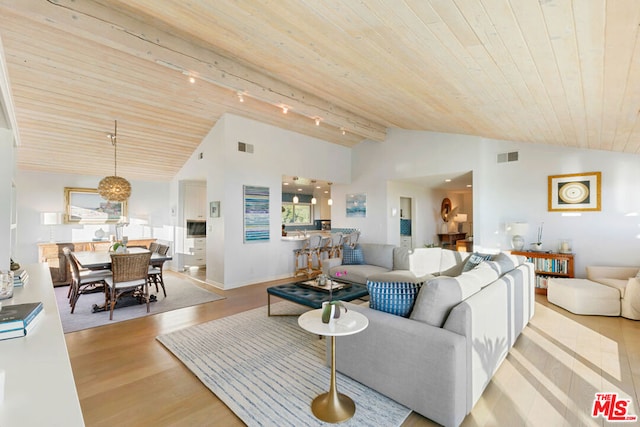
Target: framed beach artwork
<point x="356" y="205"/>
<point x="256" y="213"/>
<point x="576" y="192"/>
<point x="85" y="206"/>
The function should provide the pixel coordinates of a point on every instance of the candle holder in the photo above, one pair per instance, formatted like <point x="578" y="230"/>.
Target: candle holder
<point x="564" y="246"/>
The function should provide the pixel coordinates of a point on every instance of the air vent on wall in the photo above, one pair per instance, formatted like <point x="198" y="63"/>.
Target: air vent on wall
<point x="508" y="157"/>
<point x="244" y="147"/>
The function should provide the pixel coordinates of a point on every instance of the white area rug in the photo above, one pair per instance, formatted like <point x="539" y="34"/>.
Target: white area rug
<point x="181" y="292"/>
<point x="267" y="370"/>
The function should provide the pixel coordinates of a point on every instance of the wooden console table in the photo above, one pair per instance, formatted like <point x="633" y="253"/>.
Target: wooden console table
<point x="52" y="254"/>
<point x="449" y="240"/>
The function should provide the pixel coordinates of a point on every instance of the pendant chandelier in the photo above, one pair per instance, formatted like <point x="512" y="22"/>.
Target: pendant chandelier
<point x="114" y="188"/>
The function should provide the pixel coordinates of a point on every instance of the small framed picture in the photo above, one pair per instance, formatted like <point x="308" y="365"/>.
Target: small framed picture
<point x="577" y="192"/>
<point x="214" y="209"/>
<point x="357" y="205"/>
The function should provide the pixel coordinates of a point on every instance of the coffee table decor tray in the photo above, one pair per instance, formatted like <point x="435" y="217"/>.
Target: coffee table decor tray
<point x="330" y="285"/>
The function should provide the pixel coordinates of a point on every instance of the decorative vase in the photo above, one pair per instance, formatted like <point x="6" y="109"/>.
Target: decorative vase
<point x="6" y="284"/>
<point x="331" y="311"/>
<point x="536" y="246"/>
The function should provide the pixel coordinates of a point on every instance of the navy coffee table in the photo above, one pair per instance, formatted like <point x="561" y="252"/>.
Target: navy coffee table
<point x="311" y="297"/>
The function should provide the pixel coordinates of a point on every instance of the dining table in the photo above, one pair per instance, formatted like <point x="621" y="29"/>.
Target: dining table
<point x="102" y="260"/>
<point x="93" y="260"/>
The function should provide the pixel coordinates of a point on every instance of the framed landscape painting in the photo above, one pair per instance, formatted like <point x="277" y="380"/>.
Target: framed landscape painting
<point x="576" y="192"/>
<point x="85" y="206"/>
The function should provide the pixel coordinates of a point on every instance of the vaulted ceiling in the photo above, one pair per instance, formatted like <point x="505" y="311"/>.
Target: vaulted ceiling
<point x="545" y="71"/>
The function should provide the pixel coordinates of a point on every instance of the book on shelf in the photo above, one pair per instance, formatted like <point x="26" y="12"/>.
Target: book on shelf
<point x="18" y="316"/>
<point x="16" y="333"/>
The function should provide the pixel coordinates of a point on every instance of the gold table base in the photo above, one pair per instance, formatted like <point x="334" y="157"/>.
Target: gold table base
<point x="333" y="407"/>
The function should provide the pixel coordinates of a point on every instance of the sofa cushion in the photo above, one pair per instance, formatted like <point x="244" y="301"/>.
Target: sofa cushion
<point x="352" y="256"/>
<point x="452" y="262"/>
<point x="425" y="261"/>
<point x="507" y="262"/>
<point x="438" y="296"/>
<point x="620" y="284"/>
<point x="378" y="254"/>
<point x="356" y="273"/>
<point x="474" y="260"/>
<point x="392" y="297"/>
<point x="401" y="258"/>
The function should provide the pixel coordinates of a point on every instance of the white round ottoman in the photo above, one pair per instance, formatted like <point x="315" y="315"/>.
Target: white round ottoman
<point x="582" y="296"/>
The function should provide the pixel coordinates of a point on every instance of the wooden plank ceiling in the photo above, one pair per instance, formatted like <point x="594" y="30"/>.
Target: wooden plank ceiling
<point x="555" y="71"/>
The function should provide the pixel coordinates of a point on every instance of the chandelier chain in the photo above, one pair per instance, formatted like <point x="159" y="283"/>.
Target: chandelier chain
<point x="114" y="141"/>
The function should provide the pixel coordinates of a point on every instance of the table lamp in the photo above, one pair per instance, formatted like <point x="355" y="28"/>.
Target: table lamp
<point x="460" y="219"/>
<point x="51" y="219"/>
<point x="517" y="231"/>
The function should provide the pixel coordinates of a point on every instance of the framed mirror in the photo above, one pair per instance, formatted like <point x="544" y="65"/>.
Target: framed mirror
<point x="445" y="209"/>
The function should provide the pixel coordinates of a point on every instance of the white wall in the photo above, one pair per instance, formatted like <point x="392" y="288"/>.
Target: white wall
<point x="6" y="177"/>
<point x="44" y="192"/>
<point x="231" y="262"/>
<point x="504" y="192"/>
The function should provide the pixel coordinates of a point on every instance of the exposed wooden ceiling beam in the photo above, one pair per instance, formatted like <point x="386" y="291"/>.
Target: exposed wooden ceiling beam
<point x="91" y="20"/>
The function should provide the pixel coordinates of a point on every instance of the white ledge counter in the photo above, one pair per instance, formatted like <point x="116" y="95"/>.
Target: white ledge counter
<point x="39" y="389"/>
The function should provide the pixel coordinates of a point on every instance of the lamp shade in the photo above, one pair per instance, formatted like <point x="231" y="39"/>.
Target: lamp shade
<point x="518" y="228"/>
<point x="460" y="217"/>
<point x="51" y="218"/>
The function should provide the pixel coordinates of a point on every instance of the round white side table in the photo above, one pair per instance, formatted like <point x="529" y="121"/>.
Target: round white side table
<point x="333" y="407"/>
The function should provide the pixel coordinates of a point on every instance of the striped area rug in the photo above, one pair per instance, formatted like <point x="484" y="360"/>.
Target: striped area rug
<point x="267" y="370"/>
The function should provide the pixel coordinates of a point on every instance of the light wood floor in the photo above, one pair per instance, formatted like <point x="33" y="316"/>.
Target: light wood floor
<point x="125" y="377"/>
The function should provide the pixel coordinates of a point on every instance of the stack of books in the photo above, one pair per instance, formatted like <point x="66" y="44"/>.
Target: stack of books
<point x="20" y="278"/>
<point x="18" y="320"/>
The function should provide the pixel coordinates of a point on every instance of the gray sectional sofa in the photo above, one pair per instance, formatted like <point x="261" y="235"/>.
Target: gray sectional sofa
<point x="439" y="360"/>
<point x="394" y="263"/>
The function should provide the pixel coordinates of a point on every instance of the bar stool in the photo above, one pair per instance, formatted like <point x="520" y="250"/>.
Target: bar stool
<point x="315" y="244"/>
<point x="336" y="245"/>
<point x="301" y="259"/>
<point x="326" y="247"/>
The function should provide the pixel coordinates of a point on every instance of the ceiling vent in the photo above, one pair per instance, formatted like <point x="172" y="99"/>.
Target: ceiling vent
<point x="508" y="157"/>
<point x="244" y="147"/>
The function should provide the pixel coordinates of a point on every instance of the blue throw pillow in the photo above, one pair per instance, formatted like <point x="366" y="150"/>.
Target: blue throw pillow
<point x="393" y="297"/>
<point x="474" y="260"/>
<point x="352" y="256"/>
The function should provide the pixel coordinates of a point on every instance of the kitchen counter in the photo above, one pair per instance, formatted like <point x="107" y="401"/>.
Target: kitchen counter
<point x="295" y="236"/>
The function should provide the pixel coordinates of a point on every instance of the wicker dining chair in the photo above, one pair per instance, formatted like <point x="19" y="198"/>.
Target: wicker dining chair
<point x="155" y="269"/>
<point x="83" y="281"/>
<point x="130" y="273"/>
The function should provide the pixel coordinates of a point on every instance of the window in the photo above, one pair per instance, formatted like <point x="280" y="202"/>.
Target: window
<point x="299" y="213"/>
